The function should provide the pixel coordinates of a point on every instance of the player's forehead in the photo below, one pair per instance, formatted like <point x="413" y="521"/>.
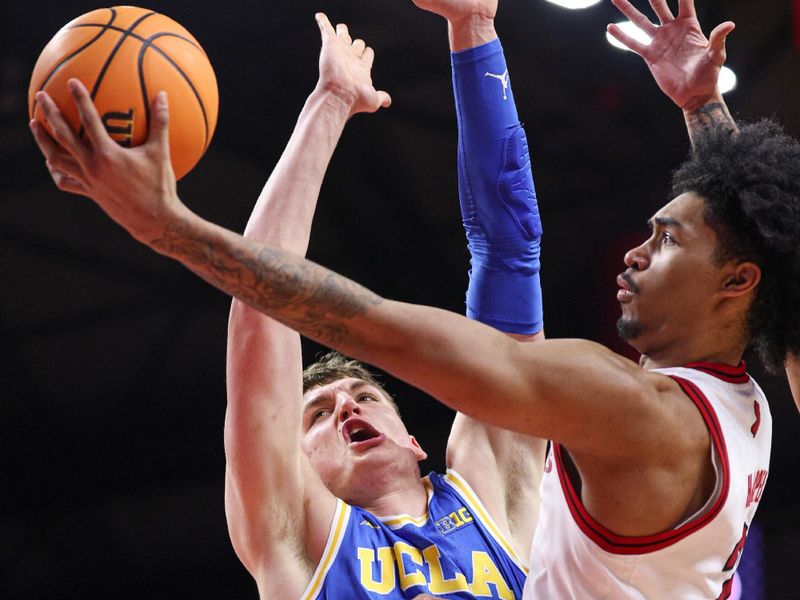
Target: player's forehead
<point x="351" y="385"/>
<point x="685" y="215"/>
<point x="683" y="210"/>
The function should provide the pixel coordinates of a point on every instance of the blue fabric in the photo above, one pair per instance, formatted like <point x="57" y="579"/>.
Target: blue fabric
<point x="498" y="199"/>
<point x="444" y="549"/>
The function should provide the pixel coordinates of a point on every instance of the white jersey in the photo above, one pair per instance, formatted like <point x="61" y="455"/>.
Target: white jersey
<point x="575" y="557"/>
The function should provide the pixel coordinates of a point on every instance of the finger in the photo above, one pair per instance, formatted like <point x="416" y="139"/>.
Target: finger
<point x="325" y="27"/>
<point x="359" y="46"/>
<point x="60" y="131"/>
<point x="628" y="41"/>
<point x="368" y="56"/>
<point x="87" y="112"/>
<point x="47" y="145"/>
<point x="66" y="183"/>
<point x="686" y="8"/>
<point x="662" y="11"/>
<point x="342" y="32"/>
<point x="158" y="136"/>
<point x="716" y="41"/>
<point x="635" y="17"/>
<point x="384" y="99"/>
<point x="64" y="163"/>
<point x="55" y="156"/>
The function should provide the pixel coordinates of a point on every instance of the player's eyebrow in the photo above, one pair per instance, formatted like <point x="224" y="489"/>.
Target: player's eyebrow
<point x="323" y="397"/>
<point x="663" y="222"/>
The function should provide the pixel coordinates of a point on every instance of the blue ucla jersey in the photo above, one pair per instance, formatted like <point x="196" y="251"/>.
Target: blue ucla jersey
<point x="454" y="551"/>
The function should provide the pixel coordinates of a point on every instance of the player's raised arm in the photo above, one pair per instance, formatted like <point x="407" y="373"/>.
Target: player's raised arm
<point x="264" y="363"/>
<point x="269" y="484"/>
<point x="500" y="215"/>
<point x="684" y="63"/>
<point x="686" y="67"/>
<point x="459" y="361"/>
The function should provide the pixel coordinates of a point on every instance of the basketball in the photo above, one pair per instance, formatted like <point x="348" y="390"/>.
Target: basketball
<point x="125" y="55"/>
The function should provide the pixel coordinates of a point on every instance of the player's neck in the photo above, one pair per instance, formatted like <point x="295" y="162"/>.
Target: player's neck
<point x="720" y="353"/>
<point x="396" y="496"/>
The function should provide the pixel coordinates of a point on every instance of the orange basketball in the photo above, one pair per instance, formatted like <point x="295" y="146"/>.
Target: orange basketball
<point x="125" y="55"/>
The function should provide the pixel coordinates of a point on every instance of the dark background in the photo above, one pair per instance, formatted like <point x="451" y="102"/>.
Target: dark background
<point x="112" y="392"/>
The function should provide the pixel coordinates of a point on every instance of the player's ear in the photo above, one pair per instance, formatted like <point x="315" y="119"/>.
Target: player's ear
<point x="741" y="279"/>
<point x="419" y="453"/>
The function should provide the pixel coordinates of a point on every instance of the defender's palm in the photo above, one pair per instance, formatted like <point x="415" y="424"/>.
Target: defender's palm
<point x="454" y="10"/>
<point x="345" y="69"/>
<point x="682" y="61"/>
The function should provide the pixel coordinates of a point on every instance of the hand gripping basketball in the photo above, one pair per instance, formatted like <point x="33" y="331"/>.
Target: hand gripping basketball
<point x="125" y="55"/>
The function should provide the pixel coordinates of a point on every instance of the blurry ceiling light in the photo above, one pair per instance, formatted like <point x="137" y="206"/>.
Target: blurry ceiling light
<point x="727" y="80"/>
<point x="575" y="4"/>
<point x="632" y="30"/>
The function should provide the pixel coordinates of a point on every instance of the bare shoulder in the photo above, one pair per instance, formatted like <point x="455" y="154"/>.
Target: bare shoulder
<point x="677" y="412"/>
<point x="663" y="473"/>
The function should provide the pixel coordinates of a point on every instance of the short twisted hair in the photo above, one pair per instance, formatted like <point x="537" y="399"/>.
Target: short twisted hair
<point x="750" y="182"/>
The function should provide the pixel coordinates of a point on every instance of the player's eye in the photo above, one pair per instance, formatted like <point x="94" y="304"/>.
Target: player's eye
<point x="318" y="414"/>
<point x="365" y="397"/>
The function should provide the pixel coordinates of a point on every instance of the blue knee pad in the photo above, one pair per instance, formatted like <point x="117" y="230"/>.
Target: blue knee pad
<point x="498" y="199"/>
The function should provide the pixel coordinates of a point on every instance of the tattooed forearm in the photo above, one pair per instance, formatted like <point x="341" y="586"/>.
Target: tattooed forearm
<point x="300" y="294"/>
<point x="709" y="116"/>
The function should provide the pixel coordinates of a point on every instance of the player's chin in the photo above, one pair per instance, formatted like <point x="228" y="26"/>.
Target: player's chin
<point x="628" y="328"/>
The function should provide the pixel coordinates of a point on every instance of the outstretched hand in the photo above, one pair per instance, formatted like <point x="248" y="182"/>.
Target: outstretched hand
<point x="470" y="22"/>
<point x="345" y="68"/>
<point x="684" y="63"/>
<point x="457" y="10"/>
<point x="134" y="186"/>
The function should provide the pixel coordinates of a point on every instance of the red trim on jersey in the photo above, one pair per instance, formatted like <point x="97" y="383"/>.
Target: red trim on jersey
<point x="737" y="374"/>
<point x="619" y="544"/>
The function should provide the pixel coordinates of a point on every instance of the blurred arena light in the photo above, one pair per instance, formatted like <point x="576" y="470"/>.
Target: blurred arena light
<point x="632" y="30"/>
<point x="727" y="80"/>
<point x="575" y="4"/>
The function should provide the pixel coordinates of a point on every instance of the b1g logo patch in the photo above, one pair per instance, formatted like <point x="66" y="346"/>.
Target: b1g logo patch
<point x="454" y="521"/>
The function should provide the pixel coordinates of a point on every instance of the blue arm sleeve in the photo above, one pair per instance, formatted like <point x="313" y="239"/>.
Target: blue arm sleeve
<point x="498" y="200"/>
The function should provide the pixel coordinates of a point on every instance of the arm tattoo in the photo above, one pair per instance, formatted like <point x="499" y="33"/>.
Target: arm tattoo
<point x="709" y="116"/>
<point x="310" y="299"/>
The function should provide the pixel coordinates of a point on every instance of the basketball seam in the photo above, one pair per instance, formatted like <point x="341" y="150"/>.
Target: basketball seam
<point x="114" y="50"/>
<point x="148" y="43"/>
<point x="136" y="35"/>
<point x="66" y="59"/>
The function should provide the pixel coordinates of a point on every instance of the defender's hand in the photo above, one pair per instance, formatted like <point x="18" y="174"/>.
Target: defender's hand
<point x="684" y="63"/>
<point x="345" y="69"/>
<point x="470" y="22"/>
<point x="457" y="10"/>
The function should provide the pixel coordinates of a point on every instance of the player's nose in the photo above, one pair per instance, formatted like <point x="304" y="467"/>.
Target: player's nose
<point x="636" y="258"/>
<point x="347" y="406"/>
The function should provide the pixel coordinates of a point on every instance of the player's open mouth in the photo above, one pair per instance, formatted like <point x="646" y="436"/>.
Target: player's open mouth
<point x="627" y="290"/>
<point x="360" y="434"/>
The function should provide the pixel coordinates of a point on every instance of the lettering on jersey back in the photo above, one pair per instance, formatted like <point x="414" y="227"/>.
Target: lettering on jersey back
<point x="755" y="486"/>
